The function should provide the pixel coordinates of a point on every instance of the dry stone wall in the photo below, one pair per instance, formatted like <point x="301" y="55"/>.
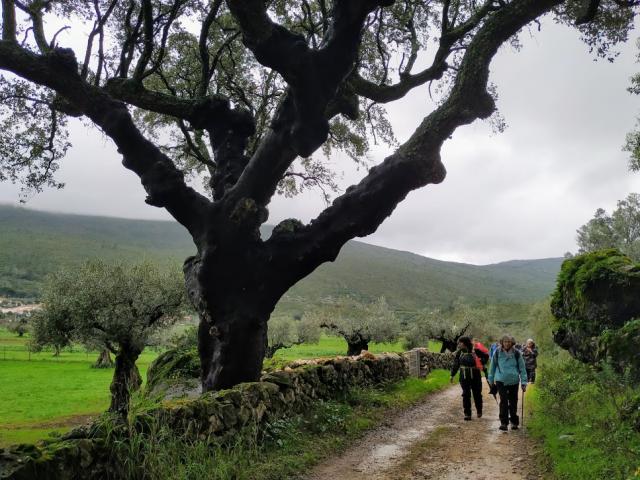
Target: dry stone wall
<point x="218" y="416"/>
<point x="430" y="360"/>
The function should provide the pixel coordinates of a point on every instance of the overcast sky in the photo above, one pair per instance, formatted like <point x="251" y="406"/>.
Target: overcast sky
<point x="519" y="194"/>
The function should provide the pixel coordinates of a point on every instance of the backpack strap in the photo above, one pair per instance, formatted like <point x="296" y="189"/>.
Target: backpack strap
<point x="496" y="359"/>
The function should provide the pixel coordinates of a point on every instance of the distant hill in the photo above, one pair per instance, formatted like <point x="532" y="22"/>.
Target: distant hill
<point x="34" y="243"/>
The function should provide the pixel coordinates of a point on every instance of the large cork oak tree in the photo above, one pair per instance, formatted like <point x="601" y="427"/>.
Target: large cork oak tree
<point x="247" y="93"/>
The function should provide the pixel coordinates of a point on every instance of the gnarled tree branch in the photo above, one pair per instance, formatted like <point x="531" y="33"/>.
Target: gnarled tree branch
<point x="416" y="163"/>
<point x="163" y="182"/>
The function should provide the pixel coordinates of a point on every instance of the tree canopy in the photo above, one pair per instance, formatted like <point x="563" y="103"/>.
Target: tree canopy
<point x="619" y="230"/>
<point x="252" y="94"/>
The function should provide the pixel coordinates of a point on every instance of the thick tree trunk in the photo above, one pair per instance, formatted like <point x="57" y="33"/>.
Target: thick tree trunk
<point x="356" y="346"/>
<point x="272" y="349"/>
<point x="104" y="360"/>
<point x="126" y="379"/>
<point x="233" y="348"/>
<point x="234" y="302"/>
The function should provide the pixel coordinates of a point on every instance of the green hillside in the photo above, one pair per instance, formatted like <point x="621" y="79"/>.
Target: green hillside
<point x="33" y="243"/>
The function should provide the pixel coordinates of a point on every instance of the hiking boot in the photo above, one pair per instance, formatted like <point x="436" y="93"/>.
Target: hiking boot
<point x="504" y="428"/>
<point x="514" y="427"/>
<point x="467" y="417"/>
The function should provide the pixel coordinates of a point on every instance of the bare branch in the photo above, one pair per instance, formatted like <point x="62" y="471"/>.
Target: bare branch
<point x="202" y="46"/>
<point x="8" y="21"/>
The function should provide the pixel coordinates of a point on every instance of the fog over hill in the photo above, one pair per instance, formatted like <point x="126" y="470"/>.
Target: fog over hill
<point x="34" y="243"/>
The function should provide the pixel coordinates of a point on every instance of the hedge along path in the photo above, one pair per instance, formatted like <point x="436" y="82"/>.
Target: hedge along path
<point x="432" y="441"/>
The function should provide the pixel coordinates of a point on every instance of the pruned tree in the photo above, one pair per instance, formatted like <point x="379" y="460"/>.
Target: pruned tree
<point x="246" y="92"/>
<point x="118" y="306"/>
<point x="434" y="325"/>
<point x="358" y="323"/>
<point x="449" y="324"/>
<point x="619" y="230"/>
<point x="284" y="332"/>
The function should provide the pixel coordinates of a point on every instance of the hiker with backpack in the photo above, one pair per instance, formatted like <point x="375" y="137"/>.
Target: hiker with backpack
<point x="530" y="354"/>
<point x="470" y="361"/>
<point x="506" y="372"/>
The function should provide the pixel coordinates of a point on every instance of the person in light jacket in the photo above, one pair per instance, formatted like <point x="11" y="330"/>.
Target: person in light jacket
<point x="507" y="372"/>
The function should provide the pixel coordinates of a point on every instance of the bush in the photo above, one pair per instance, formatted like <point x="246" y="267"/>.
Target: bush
<point x="588" y="419"/>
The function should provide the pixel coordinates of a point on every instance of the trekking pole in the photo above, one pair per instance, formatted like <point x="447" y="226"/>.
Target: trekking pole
<point x="522" y="414"/>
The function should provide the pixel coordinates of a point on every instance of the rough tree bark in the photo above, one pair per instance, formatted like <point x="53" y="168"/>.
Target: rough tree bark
<point x="126" y="379"/>
<point x="236" y="278"/>
<point x="104" y="360"/>
<point x="355" y="345"/>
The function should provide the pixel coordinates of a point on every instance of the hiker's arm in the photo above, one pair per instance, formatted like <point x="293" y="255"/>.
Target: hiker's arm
<point x="456" y="364"/>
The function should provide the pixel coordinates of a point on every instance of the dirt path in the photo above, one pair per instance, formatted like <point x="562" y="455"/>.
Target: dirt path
<point x="431" y="441"/>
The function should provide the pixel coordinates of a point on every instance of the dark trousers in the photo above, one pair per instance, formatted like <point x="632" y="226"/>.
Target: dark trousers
<point x="531" y="375"/>
<point x="471" y="384"/>
<point x="508" y="403"/>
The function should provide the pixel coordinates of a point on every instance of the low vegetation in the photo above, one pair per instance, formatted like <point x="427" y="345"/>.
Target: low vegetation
<point x="587" y="419"/>
<point x="586" y="414"/>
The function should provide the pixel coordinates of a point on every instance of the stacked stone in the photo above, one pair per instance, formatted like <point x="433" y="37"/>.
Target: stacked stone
<point x="221" y="415"/>
<point x="431" y="360"/>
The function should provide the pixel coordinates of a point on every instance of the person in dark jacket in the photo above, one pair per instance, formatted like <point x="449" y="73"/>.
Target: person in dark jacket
<point x="530" y="354"/>
<point x="470" y="361"/>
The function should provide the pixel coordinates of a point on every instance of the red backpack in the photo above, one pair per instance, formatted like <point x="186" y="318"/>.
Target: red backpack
<point x="479" y="362"/>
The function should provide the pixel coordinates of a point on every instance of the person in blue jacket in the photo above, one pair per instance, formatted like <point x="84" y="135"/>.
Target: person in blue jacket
<point x="506" y="372"/>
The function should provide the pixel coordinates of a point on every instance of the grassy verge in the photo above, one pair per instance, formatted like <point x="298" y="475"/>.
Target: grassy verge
<point x="286" y="448"/>
<point x="40" y="398"/>
<point x="579" y="415"/>
<point x="49" y="395"/>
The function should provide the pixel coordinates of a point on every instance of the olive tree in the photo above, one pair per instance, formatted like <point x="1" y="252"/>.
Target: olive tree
<point x="285" y="332"/>
<point x="358" y="323"/>
<point x="448" y="325"/>
<point x="251" y="94"/>
<point x="118" y="306"/>
<point x="433" y="325"/>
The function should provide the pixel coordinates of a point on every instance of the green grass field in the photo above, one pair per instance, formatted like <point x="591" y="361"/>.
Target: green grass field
<point x="41" y="394"/>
